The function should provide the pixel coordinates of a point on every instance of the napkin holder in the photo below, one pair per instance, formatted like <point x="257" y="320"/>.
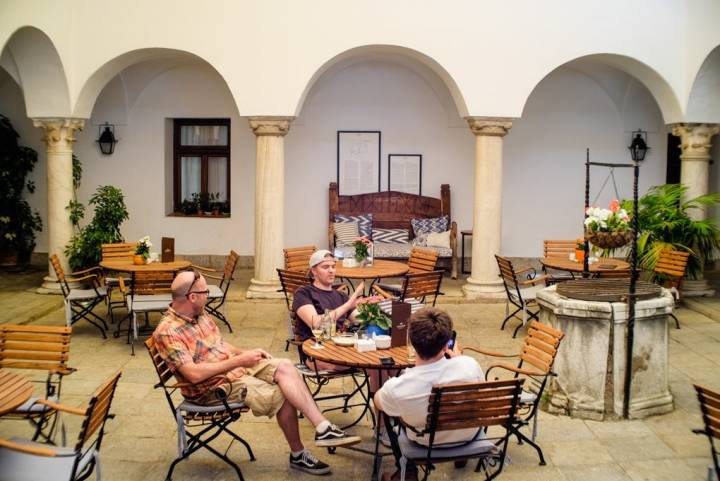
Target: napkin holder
<point x="365" y="345"/>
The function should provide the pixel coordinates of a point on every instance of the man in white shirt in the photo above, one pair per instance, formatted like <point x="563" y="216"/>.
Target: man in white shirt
<point x="430" y="330"/>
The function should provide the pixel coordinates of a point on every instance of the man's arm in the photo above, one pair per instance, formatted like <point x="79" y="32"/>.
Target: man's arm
<point x="309" y="315"/>
<point x="197" y="372"/>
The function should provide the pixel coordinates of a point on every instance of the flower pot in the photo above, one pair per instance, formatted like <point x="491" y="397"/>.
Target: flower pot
<point x="370" y="330"/>
<point x="610" y="240"/>
<point x="580" y="255"/>
<point x="350" y="262"/>
<point x="138" y="260"/>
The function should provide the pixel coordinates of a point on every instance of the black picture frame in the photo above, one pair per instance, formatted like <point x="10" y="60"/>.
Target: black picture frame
<point x="406" y="158"/>
<point x="359" y="146"/>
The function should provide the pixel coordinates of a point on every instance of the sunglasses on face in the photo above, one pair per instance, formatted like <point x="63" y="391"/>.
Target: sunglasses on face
<point x="196" y="275"/>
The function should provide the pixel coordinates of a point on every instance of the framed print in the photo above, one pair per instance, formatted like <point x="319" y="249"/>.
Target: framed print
<point x="358" y="161"/>
<point x="405" y="173"/>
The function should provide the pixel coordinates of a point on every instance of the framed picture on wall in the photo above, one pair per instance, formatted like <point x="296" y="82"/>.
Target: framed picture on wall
<point x="358" y="161"/>
<point x="405" y="173"/>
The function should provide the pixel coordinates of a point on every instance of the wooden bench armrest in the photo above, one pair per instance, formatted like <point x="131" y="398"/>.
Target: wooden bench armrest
<point x="489" y="353"/>
<point x="62" y="407"/>
<point x="24" y="448"/>
<point x="519" y="370"/>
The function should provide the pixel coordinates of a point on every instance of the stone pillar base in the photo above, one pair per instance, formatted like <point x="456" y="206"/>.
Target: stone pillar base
<point x="49" y="286"/>
<point x="475" y="289"/>
<point x="697" y="288"/>
<point x="264" y="289"/>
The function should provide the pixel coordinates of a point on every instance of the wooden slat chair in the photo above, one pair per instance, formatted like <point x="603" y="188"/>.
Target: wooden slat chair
<point x="420" y="260"/>
<point x="25" y="460"/>
<point x="298" y="258"/>
<point x="79" y="303"/>
<point x="211" y="420"/>
<point x="150" y="292"/>
<point x="561" y="249"/>
<point x="316" y="378"/>
<point x="218" y="293"/>
<point x="462" y="406"/>
<point x="521" y="294"/>
<point x="613" y="274"/>
<point x="710" y="408"/>
<point x="40" y="348"/>
<point x="536" y="361"/>
<point x="420" y="286"/>
<point x="115" y="252"/>
<point x="669" y="273"/>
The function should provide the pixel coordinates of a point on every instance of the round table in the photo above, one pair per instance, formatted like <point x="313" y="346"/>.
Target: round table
<point x="128" y="266"/>
<point x="381" y="268"/>
<point x="14" y="390"/>
<point x="604" y="264"/>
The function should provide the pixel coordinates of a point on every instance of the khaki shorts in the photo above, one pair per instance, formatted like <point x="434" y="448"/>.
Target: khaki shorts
<point x="257" y="389"/>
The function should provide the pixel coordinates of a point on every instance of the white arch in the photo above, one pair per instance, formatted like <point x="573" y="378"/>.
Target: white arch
<point x="659" y="88"/>
<point x="703" y="103"/>
<point x="380" y="51"/>
<point x="31" y="58"/>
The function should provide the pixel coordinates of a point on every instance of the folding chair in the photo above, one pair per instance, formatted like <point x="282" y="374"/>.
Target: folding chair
<point x="559" y="249"/>
<point x="43" y="348"/>
<point x="536" y="360"/>
<point x="298" y="258"/>
<point x="79" y="303"/>
<point x="24" y="460"/>
<point x="420" y="286"/>
<point x="710" y="408"/>
<point x="116" y="251"/>
<point x="212" y="420"/>
<point x="462" y="406"/>
<point x="420" y="260"/>
<point x="520" y="294"/>
<point x="669" y="272"/>
<point x="218" y="293"/>
<point x="316" y="378"/>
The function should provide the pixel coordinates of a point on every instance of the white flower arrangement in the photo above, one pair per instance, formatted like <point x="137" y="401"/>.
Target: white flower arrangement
<point x="607" y="220"/>
<point x="143" y="247"/>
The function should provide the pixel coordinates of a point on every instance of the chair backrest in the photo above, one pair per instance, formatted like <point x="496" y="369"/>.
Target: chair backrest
<point x="118" y="251"/>
<point x="541" y="346"/>
<point x="291" y="281"/>
<point x="229" y="270"/>
<point x="163" y="371"/>
<point x="710" y="408"/>
<point x="507" y="273"/>
<point x="60" y="273"/>
<point x="558" y="248"/>
<point x="671" y="265"/>
<point x="472" y="405"/>
<point x="151" y="282"/>
<point x="97" y="412"/>
<point x="422" y="260"/>
<point x="421" y="285"/>
<point x="298" y="258"/>
<point x="34" y="347"/>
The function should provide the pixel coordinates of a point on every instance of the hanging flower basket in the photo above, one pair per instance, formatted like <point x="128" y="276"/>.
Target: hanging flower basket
<point x="610" y="240"/>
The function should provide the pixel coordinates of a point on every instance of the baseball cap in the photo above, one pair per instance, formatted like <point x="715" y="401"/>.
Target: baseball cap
<point x="318" y="256"/>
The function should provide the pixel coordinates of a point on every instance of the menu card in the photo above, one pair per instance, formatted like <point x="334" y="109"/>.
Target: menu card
<point x="399" y="316"/>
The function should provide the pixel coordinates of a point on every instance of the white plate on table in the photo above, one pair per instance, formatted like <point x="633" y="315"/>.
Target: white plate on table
<point x="344" y="340"/>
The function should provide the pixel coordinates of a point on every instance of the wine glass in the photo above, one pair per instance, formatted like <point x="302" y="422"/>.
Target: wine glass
<point x="317" y="332"/>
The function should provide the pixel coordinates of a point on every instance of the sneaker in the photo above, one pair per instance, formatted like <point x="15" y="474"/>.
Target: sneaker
<point x="308" y="463"/>
<point x="334" y="436"/>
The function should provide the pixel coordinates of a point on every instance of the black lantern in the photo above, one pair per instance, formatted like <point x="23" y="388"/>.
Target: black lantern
<point x="638" y="146"/>
<point x="107" y="139"/>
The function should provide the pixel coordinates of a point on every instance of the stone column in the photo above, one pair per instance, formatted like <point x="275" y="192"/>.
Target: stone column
<point x="269" y="204"/>
<point x="59" y="137"/>
<point x="695" y="143"/>
<point x="487" y="207"/>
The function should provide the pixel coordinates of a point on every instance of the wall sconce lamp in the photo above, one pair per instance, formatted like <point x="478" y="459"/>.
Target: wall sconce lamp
<point x="638" y="147"/>
<point x="106" y="138"/>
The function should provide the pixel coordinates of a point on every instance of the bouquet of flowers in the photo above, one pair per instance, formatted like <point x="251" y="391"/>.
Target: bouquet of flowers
<point x="608" y="228"/>
<point x="361" y="245"/>
<point x="370" y="314"/>
<point x="143" y="247"/>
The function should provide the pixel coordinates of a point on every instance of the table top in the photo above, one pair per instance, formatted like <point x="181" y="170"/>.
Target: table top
<point x="602" y="265"/>
<point x="14" y="390"/>
<point x="349" y="356"/>
<point x="128" y="266"/>
<point x="380" y="268"/>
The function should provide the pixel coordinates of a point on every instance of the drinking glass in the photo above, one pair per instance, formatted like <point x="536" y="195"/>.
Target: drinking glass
<point x="317" y="332"/>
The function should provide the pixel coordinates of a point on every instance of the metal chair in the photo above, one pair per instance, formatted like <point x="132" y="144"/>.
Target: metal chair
<point x="710" y="408"/>
<point x="420" y="286"/>
<point x="420" y="260"/>
<point x="79" y="303"/>
<point x="218" y="293"/>
<point x="520" y="294"/>
<point x="298" y="258"/>
<point x="41" y="348"/>
<point x="114" y="252"/>
<point x="536" y="360"/>
<point x="24" y="460"/>
<point x="149" y="292"/>
<point x="669" y="272"/>
<point x="560" y="249"/>
<point x="212" y="420"/>
<point x="462" y="406"/>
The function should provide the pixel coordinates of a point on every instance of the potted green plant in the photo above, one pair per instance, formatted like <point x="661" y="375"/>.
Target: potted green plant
<point x="187" y="207"/>
<point x="372" y="318"/>
<point x="18" y="222"/>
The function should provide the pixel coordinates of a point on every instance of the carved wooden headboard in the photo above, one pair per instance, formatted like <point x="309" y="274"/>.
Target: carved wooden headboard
<point x="390" y="210"/>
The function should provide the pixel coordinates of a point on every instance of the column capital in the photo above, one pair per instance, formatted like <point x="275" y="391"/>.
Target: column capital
<point x="59" y="133"/>
<point x="275" y="126"/>
<point x="695" y="139"/>
<point x="489" y="126"/>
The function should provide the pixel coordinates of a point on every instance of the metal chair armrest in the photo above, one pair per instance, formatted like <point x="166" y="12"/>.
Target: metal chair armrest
<point x="62" y="407"/>
<point x="84" y="271"/>
<point x="83" y="278"/>
<point x="24" y="448"/>
<point x="203" y="269"/>
<point x="518" y="370"/>
<point x="489" y="353"/>
<point x="381" y="292"/>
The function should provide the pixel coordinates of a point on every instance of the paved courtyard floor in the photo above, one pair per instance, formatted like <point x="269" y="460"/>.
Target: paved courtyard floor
<point x="140" y="442"/>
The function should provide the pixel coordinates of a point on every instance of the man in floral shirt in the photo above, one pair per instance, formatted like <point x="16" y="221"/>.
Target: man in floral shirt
<point x="190" y="343"/>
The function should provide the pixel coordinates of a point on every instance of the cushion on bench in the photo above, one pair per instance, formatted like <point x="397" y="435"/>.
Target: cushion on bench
<point x="391" y="250"/>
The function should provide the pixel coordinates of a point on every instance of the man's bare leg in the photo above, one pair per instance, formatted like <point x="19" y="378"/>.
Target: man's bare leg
<point x="296" y="392"/>
<point x="288" y="421"/>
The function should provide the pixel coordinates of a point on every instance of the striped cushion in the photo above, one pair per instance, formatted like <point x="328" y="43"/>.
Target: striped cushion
<point x="436" y="224"/>
<point x="401" y="236"/>
<point x="345" y="233"/>
<point x="364" y="222"/>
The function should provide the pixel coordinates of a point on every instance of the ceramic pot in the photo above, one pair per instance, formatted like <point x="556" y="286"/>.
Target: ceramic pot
<point x="370" y="330"/>
<point x="138" y="260"/>
<point x="580" y="255"/>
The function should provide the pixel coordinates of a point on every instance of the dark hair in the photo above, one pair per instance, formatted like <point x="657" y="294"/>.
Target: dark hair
<point x="430" y="330"/>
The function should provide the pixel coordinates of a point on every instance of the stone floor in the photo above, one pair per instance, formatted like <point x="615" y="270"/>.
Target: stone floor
<point x="140" y="442"/>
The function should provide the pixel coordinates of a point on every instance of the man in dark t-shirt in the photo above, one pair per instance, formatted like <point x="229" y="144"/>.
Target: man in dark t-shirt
<point x="311" y="301"/>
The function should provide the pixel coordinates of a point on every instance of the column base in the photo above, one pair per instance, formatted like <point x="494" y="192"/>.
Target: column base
<point x="49" y="286"/>
<point x="697" y="288"/>
<point x="476" y="289"/>
<point x="264" y="290"/>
